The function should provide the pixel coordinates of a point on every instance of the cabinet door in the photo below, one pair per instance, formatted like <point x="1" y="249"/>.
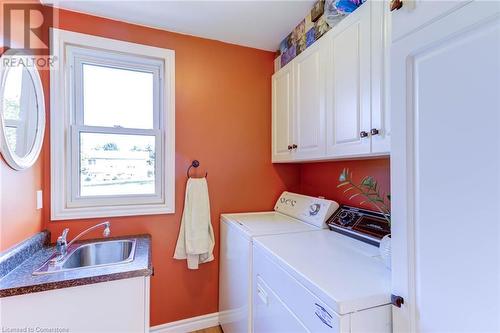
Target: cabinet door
<point x="309" y="101"/>
<point x="380" y="43"/>
<point x="114" y="306"/>
<point x="282" y="85"/>
<point x="445" y="162"/>
<point x="348" y="89"/>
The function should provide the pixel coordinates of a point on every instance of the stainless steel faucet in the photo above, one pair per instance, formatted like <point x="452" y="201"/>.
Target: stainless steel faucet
<point x="62" y="245"/>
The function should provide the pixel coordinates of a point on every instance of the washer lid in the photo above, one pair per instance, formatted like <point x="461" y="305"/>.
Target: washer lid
<point x="345" y="273"/>
<point x="267" y="223"/>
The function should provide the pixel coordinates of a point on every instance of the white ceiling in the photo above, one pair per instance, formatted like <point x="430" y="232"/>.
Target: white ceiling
<point x="260" y="24"/>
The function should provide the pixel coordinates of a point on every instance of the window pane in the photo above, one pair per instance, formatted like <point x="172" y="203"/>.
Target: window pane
<point x="117" y="97"/>
<point x="112" y="164"/>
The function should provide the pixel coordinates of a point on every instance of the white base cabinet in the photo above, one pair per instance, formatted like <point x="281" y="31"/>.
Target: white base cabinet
<point x="115" y="306"/>
<point x="330" y="101"/>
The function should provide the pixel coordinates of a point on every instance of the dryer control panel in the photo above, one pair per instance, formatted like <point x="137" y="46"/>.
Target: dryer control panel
<point x="312" y="210"/>
<point x="365" y="225"/>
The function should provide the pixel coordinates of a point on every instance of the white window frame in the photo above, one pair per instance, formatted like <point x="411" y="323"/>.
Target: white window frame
<point x="72" y="51"/>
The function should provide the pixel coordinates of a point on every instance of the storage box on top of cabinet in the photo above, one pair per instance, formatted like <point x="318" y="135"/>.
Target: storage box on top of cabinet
<point x="330" y="101"/>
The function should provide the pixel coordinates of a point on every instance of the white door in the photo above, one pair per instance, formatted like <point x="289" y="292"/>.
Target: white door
<point x="445" y="169"/>
<point x="415" y="14"/>
<point x="282" y="85"/>
<point x="309" y="113"/>
<point x="348" y="86"/>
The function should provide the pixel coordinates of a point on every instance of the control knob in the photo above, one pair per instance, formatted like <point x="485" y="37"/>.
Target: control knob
<point x="346" y="218"/>
<point x="314" y="209"/>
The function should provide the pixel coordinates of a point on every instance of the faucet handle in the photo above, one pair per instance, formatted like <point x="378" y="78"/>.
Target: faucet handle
<point x="61" y="242"/>
<point x="61" y="245"/>
<point x="107" y="230"/>
<point x="64" y="234"/>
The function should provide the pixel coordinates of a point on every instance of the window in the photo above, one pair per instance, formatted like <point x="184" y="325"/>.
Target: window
<point x="113" y="120"/>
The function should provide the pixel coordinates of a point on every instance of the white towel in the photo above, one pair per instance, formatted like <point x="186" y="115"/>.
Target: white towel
<point x="196" y="237"/>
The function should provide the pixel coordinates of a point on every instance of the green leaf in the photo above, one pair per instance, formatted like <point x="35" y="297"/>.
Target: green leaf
<point x="367" y="181"/>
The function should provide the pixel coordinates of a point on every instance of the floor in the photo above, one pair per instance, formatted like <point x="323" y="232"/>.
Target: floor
<point x="215" y="329"/>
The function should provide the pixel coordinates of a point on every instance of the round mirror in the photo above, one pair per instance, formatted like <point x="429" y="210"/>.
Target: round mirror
<point x="22" y="111"/>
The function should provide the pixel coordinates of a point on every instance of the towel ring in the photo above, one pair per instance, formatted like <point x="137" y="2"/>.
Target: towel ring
<point x="194" y="164"/>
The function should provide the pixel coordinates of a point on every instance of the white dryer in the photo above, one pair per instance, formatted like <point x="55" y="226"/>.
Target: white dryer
<point x="319" y="282"/>
<point x="293" y="213"/>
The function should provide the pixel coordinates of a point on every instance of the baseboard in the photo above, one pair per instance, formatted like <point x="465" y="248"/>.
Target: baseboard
<point x="188" y="325"/>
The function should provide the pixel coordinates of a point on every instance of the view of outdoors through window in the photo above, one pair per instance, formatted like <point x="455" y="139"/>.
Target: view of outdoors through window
<point x="117" y="164"/>
<point x="112" y="164"/>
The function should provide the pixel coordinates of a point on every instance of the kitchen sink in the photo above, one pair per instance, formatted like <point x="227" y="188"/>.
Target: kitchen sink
<point x="89" y="255"/>
<point x="103" y="253"/>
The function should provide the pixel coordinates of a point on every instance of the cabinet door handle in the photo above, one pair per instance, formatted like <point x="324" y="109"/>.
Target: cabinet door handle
<point x="397" y="301"/>
<point x="289" y="147"/>
<point x="396" y="4"/>
<point x="374" y="131"/>
<point x="294" y="146"/>
<point x="363" y="134"/>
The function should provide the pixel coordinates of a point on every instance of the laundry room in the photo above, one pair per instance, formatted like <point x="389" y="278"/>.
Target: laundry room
<point x="249" y="166"/>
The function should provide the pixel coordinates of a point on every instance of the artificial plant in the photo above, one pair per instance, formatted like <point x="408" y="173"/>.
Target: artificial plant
<point x="369" y="189"/>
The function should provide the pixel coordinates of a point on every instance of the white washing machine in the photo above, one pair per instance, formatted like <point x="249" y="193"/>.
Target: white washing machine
<point x="293" y="213"/>
<point x="319" y="282"/>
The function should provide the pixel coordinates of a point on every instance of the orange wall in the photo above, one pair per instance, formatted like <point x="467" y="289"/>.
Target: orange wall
<point x="223" y="118"/>
<point x="321" y="179"/>
<point x="19" y="218"/>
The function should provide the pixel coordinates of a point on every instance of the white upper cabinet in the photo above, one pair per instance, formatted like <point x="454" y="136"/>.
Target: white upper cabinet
<point x="348" y="115"/>
<point x="380" y="130"/>
<point x="282" y="85"/>
<point x="309" y="112"/>
<point x="330" y="101"/>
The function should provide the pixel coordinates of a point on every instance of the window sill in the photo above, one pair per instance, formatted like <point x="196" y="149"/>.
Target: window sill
<point x="110" y="211"/>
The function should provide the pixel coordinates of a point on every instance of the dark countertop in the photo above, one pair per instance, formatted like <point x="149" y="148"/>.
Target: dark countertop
<point x="20" y="280"/>
<point x="16" y="255"/>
